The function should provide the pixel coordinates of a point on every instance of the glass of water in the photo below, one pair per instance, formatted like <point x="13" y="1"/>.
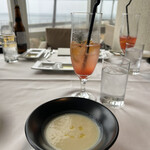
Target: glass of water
<point x="134" y="54"/>
<point x="114" y="81"/>
<point x="10" y="51"/>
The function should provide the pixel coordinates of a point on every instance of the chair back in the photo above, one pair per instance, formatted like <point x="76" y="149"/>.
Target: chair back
<point x="58" y="37"/>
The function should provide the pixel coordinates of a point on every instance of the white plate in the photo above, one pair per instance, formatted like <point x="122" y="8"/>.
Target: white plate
<point x="33" y="53"/>
<point x="53" y="66"/>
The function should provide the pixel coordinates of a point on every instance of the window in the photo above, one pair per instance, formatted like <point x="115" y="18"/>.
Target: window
<point x="40" y="13"/>
<point x="109" y="10"/>
<point x="52" y="12"/>
<point x="49" y="12"/>
<point x="3" y="11"/>
<point x="65" y="7"/>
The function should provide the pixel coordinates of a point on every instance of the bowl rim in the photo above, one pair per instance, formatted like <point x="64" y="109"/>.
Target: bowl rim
<point x="35" y="146"/>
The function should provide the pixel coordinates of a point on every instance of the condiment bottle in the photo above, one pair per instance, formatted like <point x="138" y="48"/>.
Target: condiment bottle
<point x="19" y="30"/>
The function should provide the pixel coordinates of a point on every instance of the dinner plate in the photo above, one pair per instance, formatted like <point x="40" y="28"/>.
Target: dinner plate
<point x="52" y="66"/>
<point x="36" y="123"/>
<point x="33" y="53"/>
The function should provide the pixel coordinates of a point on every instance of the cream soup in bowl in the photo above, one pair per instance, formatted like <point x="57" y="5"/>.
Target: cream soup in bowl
<point x="72" y="132"/>
<point x="105" y="124"/>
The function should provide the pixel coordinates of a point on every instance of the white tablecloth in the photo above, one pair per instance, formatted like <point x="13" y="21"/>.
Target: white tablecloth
<point x="22" y="89"/>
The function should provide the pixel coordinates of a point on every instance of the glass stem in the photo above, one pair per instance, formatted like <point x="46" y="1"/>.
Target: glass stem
<point x="83" y="83"/>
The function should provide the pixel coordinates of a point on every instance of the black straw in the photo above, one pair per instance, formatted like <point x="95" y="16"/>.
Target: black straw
<point x="91" y="23"/>
<point x="127" y="17"/>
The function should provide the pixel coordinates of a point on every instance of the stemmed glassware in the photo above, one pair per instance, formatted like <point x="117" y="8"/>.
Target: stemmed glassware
<point x="84" y="56"/>
<point x="129" y="29"/>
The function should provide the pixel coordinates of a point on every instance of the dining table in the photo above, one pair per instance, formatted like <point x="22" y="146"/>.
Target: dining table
<point x="23" y="89"/>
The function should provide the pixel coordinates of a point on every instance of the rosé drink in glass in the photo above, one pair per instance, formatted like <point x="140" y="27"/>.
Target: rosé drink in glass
<point x="84" y="63"/>
<point x="84" y="56"/>
<point x="126" y="39"/>
<point x="129" y="30"/>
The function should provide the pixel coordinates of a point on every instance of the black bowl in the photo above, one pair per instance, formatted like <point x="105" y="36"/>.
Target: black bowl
<point x="103" y="116"/>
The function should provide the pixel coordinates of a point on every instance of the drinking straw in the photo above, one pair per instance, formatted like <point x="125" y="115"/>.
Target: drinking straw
<point x="91" y="23"/>
<point x="127" y="17"/>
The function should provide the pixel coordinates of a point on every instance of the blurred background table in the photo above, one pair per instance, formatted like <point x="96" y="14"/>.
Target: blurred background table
<point x="22" y="89"/>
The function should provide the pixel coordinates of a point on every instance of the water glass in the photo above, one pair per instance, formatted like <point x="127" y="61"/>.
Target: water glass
<point x="114" y="81"/>
<point x="7" y="33"/>
<point x="134" y="54"/>
<point x="10" y="51"/>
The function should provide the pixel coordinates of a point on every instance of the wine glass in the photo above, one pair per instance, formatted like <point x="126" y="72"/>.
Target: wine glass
<point x="129" y="29"/>
<point x="84" y="56"/>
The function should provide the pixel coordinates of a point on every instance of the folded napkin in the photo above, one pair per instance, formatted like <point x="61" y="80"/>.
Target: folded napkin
<point x="63" y="51"/>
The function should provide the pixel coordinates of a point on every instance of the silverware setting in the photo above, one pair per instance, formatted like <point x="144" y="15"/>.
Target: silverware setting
<point x="49" y="52"/>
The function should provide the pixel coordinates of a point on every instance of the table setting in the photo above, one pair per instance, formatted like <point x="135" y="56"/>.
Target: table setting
<point x="35" y="87"/>
<point x="43" y="91"/>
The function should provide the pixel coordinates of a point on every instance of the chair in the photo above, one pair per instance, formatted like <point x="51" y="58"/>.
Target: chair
<point x="58" y="37"/>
